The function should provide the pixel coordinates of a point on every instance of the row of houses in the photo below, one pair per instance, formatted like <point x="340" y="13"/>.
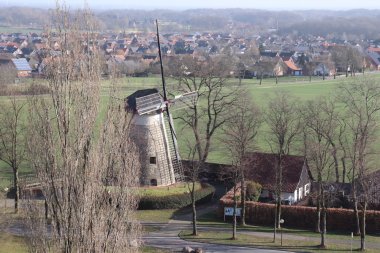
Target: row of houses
<point x="264" y="55"/>
<point x="298" y="187"/>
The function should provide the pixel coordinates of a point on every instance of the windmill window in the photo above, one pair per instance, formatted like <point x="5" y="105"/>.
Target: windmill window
<point x="152" y="160"/>
<point x="153" y="182"/>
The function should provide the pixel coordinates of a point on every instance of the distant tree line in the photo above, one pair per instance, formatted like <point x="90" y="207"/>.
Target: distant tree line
<point x="347" y="25"/>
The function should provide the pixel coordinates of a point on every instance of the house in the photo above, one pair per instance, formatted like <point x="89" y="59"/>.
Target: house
<point x="374" y="59"/>
<point x="22" y="67"/>
<point x="369" y="189"/>
<point x="269" y="67"/>
<point x="295" y="178"/>
<point x="292" y="69"/>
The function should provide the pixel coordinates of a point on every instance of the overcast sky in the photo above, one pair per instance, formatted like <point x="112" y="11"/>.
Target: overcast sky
<point x="180" y="4"/>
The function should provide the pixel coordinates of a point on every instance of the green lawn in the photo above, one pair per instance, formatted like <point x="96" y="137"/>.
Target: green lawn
<point x="299" y="87"/>
<point x="179" y="188"/>
<point x="304" y="246"/>
<point x="339" y="240"/>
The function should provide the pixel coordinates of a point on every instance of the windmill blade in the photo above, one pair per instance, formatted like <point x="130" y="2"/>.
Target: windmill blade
<point x="184" y="101"/>
<point x="175" y="159"/>
<point x="149" y="103"/>
<point x="173" y="149"/>
<point x="161" y="65"/>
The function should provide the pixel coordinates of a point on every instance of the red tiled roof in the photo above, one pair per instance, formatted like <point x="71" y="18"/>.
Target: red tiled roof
<point x="262" y="170"/>
<point x="291" y="65"/>
<point x="374" y="49"/>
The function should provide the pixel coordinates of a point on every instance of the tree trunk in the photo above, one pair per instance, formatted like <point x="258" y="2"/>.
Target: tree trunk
<point x="336" y="164"/>
<point x="323" y="230"/>
<point x="343" y="169"/>
<point x="17" y="188"/>
<point x="195" y="228"/>
<point x="278" y="208"/>
<point x="261" y="78"/>
<point x="242" y="218"/>
<point x="363" y="227"/>
<point x="318" y="220"/>
<point x="234" y="216"/>
<point x="356" y="212"/>
<point x="275" y="224"/>
<point x="310" y="78"/>
<point x="276" y="79"/>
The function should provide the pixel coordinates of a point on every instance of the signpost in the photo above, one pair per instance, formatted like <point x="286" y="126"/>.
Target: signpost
<point x="229" y="211"/>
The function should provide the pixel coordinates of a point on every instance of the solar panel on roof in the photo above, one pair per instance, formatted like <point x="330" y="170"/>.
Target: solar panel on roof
<point x="21" y="64"/>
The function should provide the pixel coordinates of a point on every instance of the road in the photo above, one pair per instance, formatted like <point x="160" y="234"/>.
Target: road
<point x="167" y="238"/>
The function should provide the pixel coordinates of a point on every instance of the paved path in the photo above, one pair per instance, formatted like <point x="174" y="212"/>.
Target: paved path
<point x="167" y="237"/>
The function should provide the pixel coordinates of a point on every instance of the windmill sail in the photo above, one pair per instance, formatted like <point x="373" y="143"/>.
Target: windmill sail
<point x="184" y="101"/>
<point x="173" y="149"/>
<point x="172" y="142"/>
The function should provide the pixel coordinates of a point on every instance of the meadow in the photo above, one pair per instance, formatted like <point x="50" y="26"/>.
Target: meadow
<point x="298" y="87"/>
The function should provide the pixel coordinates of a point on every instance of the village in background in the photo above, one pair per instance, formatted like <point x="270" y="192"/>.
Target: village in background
<point x="242" y="49"/>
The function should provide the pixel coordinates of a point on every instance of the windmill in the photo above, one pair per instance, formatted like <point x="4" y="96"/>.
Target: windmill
<point x="154" y="132"/>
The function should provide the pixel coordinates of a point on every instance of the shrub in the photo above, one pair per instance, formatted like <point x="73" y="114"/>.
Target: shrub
<point x="176" y="200"/>
<point x="253" y="190"/>
<point x="338" y="219"/>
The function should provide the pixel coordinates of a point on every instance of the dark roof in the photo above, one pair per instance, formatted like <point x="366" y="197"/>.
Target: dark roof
<point x="130" y="101"/>
<point x="268" y="54"/>
<point x="286" y="55"/>
<point x="21" y="64"/>
<point x="372" y="186"/>
<point x="262" y="170"/>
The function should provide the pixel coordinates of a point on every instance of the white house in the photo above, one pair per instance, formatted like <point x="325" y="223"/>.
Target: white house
<point x="295" y="178"/>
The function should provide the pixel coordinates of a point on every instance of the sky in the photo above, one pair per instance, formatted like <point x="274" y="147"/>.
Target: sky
<point x="191" y="4"/>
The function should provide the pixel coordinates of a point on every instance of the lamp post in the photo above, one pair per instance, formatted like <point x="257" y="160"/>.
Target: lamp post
<point x="281" y="222"/>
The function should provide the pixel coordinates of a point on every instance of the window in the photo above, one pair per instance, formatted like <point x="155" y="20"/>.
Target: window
<point x="153" y="182"/>
<point x="152" y="160"/>
<point x="307" y="189"/>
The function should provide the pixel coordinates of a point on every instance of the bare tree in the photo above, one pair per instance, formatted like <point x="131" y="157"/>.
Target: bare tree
<point x="361" y="99"/>
<point x="239" y="136"/>
<point x="283" y="121"/>
<point x="12" y="139"/>
<point x="87" y="177"/>
<point x="209" y="78"/>
<point x="347" y="58"/>
<point x="8" y="75"/>
<point x="318" y="149"/>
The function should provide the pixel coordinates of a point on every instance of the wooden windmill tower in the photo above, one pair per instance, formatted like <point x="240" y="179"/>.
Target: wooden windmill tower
<point x="154" y="132"/>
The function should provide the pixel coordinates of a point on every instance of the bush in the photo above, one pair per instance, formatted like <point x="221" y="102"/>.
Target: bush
<point x="253" y="191"/>
<point x="338" y="219"/>
<point x="176" y="200"/>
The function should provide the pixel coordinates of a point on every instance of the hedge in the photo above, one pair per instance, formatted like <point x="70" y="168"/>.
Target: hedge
<point x="338" y="219"/>
<point x="176" y="200"/>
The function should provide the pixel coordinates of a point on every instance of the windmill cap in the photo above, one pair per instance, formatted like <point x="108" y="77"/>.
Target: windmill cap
<point x="130" y="101"/>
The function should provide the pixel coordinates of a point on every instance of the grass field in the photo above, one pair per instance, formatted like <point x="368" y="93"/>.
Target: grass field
<point x="298" y="87"/>
<point x="336" y="241"/>
<point x="179" y="188"/>
<point x="23" y="30"/>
